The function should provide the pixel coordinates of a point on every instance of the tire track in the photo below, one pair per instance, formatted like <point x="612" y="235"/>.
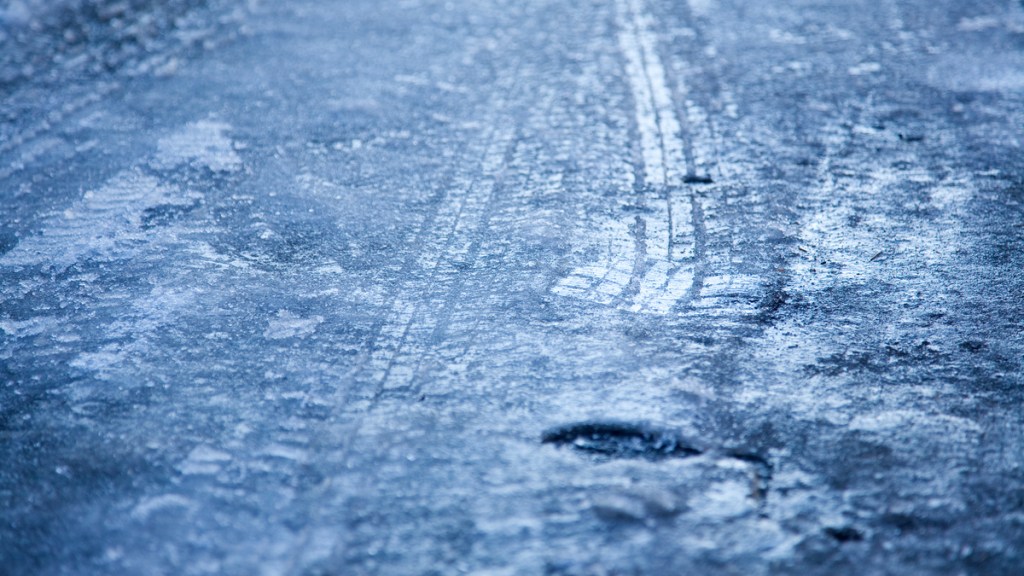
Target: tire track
<point x="448" y="245"/>
<point x="424" y="316"/>
<point x="651" y="263"/>
<point x="661" y="132"/>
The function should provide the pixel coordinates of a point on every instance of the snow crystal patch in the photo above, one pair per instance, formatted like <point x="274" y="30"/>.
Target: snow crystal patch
<point x="727" y="499"/>
<point x="203" y="460"/>
<point x="865" y="68"/>
<point x="97" y="225"/>
<point x="285" y="452"/>
<point x="146" y="507"/>
<point x="978" y="72"/>
<point x="30" y="327"/>
<point x="903" y="421"/>
<point x="978" y="23"/>
<point x="100" y="361"/>
<point x="951" y="196"/>
<point x="703" y="8"/>
<point x="203" y="143"/>
<point x="204" y="453"/>
<point x="290" y="325"/>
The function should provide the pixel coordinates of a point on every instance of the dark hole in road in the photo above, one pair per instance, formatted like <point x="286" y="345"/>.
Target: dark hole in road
<point x="763" y="466"/>
<point x="620" y="440"/>
<point x="844" y="534"/>
<point x="697" y="179"/>
<point x="973" y="346"/>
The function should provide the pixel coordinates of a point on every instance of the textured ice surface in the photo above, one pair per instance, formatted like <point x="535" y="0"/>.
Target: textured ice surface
<point x="21" y="12"/>
<point x="527" y="287"/>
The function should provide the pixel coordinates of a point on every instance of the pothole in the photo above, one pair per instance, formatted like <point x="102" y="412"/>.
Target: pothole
<point x="844" y="534"/>
<point x="697" y="179"/>
<point x="620" y="440"/>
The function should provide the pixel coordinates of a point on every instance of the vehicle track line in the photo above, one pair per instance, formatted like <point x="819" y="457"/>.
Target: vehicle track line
<point x="659" y="126"/>
<point x="369" y="383"/>
<point x="658" y="279"/>
<point x="473" y="207"/>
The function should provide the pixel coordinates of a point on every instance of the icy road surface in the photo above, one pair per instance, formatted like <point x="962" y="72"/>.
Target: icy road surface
<point x="511" y="288"/>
